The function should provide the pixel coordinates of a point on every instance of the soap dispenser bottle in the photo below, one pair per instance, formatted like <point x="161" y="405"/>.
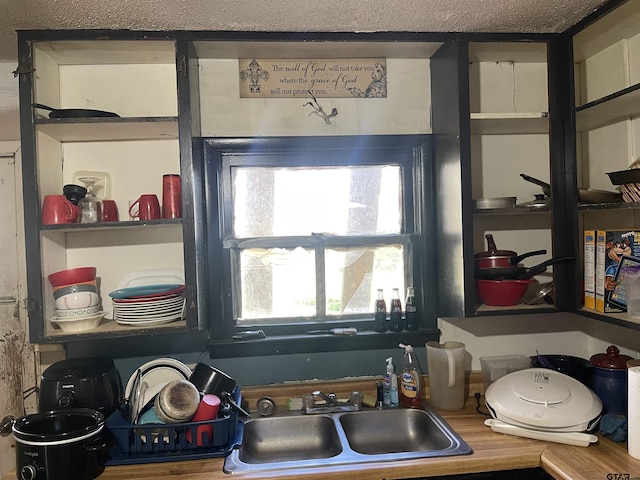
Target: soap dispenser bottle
<point x="410" y="380"/>
<point x="390" y="385"/>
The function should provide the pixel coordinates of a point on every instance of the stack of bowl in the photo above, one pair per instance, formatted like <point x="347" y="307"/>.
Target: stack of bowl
<point x="77" y="303"/>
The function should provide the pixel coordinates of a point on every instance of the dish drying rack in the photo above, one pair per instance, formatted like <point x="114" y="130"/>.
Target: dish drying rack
<point x="153" y="442"/>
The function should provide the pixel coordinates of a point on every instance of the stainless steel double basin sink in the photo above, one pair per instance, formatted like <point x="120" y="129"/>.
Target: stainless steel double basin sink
<point x="295" y="442"/>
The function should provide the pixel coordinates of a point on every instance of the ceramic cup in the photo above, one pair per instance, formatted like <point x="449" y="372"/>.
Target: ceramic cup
<point x="109" y="211"/>
<point x="171" y="196"/>
<point x="56" y="209"/>
<point x="147" y="206"/>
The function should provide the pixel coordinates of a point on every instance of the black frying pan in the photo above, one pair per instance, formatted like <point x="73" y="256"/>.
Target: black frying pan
<point x="74" y="112"/>
<point x="517" y="272"/>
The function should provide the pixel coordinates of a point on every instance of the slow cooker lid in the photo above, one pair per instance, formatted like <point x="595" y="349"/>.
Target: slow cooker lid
<point x="78" y="368"/>
<point x="58" y="426"/>
<point x="541" y="398"/>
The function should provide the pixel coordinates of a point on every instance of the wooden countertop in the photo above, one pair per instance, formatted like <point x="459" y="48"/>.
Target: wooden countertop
<point x="491" y="452"/>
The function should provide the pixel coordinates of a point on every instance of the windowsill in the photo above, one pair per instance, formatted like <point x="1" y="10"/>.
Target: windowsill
<point x="291" y="344"/>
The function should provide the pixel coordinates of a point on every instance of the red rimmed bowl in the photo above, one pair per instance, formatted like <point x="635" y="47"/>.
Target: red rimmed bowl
<point x="73" y="276"/>
<point x="502" y="293"/>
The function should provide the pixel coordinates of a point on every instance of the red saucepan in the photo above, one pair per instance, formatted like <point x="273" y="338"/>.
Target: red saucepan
<point x="518" y="272"/>
<point x="500" y="258"/>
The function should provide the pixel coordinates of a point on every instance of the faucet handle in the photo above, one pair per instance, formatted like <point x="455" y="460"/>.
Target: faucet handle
<point x="331" y="399"/>
<point x="355" y="398"/>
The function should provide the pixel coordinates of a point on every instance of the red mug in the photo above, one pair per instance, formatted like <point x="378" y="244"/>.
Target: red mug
<point x="56" y="209"/>
<point x="148" y="208"/>
<point x="110" y="211"/>
<point x="171" y="196"/>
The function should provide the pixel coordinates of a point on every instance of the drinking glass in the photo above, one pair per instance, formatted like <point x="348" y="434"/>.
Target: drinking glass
<point x="90" y="206"/>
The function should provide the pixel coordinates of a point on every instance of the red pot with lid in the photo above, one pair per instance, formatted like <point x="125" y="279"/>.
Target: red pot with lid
<point x="493" y="257"/>
<point x="609" y="379"/>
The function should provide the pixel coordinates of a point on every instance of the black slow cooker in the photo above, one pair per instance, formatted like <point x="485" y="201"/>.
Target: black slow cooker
<point x="60" y="445"/>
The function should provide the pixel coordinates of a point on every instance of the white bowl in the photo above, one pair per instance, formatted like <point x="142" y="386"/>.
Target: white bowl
<point x="78" y="300"/>
<point x="72" y="325"/>
<point x="77" y="312"/>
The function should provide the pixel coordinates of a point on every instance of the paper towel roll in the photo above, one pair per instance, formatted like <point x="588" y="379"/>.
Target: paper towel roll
<point x="633" y="415"/>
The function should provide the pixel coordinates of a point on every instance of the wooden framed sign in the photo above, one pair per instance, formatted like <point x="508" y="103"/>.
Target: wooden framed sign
<point x="327" y="78"/>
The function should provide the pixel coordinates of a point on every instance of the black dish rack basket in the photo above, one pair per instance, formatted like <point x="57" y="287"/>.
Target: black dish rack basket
<point x="153" y="442"/>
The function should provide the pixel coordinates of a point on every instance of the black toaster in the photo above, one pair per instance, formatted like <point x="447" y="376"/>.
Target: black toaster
<point x="81" y="383"/>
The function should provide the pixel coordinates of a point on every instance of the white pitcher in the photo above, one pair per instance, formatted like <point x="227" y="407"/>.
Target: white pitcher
<point x="445" y="364"/>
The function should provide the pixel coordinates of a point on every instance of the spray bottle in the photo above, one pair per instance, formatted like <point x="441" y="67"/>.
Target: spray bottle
<point x="410" y="380"/>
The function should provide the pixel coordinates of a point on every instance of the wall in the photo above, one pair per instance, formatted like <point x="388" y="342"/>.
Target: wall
<point x="17" y="374"/>
<point x="406" y="110"/>
<point x="561" y="333"/>
<point x="9" y="116"/>
<point x="483" y="336"/>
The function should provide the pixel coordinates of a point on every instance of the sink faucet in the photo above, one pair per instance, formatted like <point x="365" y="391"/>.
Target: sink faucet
<point x="331" y="403"/>
<point x="330" y="399"/>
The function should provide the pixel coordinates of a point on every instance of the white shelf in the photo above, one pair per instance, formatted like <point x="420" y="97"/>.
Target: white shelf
<point x="104" y="129"/>
<point x="509" y="123"/>
<point x="610" y="109"/>
<point x="520" y="306"/>
<point x="109" y="327"/>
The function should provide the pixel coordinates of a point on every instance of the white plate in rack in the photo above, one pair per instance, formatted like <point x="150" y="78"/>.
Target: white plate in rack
<point x="153" y="376"/>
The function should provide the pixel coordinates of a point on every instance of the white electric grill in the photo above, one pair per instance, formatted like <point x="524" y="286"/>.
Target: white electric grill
<point x="538" y="402"/>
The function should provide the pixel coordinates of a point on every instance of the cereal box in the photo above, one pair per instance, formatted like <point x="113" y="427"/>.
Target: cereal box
<point x="611" y="246"/>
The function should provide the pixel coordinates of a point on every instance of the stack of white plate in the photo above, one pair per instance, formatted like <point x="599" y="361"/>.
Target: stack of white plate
<point x="148" y="304"/>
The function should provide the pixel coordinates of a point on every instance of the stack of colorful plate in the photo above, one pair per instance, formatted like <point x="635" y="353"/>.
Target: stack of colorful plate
<point x="148" y="304"/>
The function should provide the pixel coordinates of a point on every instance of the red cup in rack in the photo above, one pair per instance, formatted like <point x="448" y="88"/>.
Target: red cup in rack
<point x="207" y="410"/>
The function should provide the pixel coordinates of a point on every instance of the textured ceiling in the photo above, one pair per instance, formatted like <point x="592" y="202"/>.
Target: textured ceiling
<point x="533" y="16"/>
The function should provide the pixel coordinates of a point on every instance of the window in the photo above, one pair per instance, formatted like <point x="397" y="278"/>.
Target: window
<point x="309" y="228"/>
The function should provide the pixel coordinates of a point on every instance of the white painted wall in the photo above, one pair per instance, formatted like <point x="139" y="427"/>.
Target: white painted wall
<point x="403" y="112"/>
<point x="561" y="333"/>
<point x="406" y="110"/>
<point x="16" y="355"/>
<point x="9" y="117"/>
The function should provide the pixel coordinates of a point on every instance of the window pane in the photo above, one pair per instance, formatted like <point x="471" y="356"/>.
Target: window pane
<point x="353" y="276"/>
<point x="267" y="289"/>
<point x="358" y="200"/>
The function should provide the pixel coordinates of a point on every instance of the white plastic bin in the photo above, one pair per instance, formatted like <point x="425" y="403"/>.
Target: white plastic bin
<point x="495" y="367"/>
<point x="631" y="283"/>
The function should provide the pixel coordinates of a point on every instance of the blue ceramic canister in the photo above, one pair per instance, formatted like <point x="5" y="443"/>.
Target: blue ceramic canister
<point x="609" y="380"/>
